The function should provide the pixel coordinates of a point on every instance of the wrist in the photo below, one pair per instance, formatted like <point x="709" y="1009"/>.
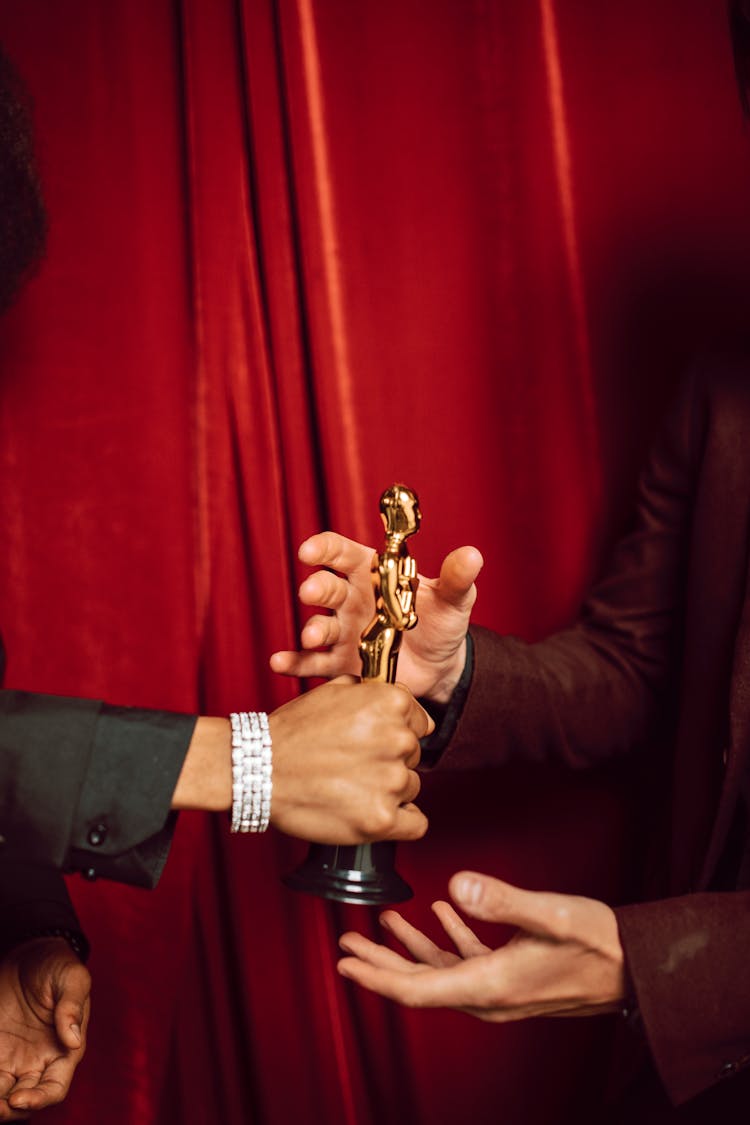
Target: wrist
<point x="52" y="940"/>
<point x="618" y="984"/>
<point x="450" y="676"/>
<point x="252" y="771"/>
<point x="205" y="781"/>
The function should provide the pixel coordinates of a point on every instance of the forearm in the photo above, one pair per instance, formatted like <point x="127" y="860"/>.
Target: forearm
<point x="205" y="780"/>
<point x="87" y="787"/>
<point x="594" y="690"/>
<point x="569" y="699"/>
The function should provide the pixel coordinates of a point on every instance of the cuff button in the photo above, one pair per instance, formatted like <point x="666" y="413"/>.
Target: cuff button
<point x="97" y="835"/>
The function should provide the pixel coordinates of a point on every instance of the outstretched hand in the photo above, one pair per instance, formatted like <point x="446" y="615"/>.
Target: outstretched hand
<point x="44" y="1013"/>
<point x="431" y="657"/>
<point x="564" y="960"/>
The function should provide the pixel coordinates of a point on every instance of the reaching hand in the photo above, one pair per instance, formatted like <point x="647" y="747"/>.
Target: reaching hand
<point x="565" y="958"/>
<point x="344" y="762"/>
<point x="432" y="656"/>
<point x="44" y="1013"/>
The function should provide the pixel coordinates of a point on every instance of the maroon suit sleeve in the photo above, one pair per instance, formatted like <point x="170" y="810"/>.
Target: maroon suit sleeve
<point x="687" y="959"/>
<point x="590" y="693"/>
<point x="593" y="692"/>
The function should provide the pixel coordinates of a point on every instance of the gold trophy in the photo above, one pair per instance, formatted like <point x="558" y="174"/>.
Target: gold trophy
<point x="365" y="873"/>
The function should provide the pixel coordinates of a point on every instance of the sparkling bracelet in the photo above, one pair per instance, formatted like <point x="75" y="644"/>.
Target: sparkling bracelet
<point x="252" y="783"/>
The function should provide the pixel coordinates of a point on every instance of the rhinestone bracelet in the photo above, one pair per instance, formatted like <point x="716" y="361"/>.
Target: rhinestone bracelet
<point x="252" y="783"/>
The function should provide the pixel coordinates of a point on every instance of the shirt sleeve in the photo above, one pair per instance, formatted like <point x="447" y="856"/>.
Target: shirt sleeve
<point x="122" y="828"/>
<point x="447" y="715"/>
<point x="87" y="787"/>
<point x="34" y="902"/>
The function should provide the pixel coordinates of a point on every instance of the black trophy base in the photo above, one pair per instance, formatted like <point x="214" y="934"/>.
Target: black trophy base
<point x="363" y="874"/>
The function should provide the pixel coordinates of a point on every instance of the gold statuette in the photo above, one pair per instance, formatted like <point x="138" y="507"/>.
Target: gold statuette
<point x="394" y="580"/>
<point x="366" y="873"/>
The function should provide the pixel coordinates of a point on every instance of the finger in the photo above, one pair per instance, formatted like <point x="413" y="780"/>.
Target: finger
<point x="71" y="1008"/>
<point x="328" y="548"/>
<point x="57" y="1078"/>
<point x="8" y="1114"/>
<point x="422" y="948"/>
<point x="324" y="589"/>
<point x="7" y="1082"/>
<point x="465" y="940"/>
<point x="26" y="1082"/>
<point x="306" y="665"/>
<point x="51" y="1087"/>
<point x="542" y="913"/>
<point x="320" y="630"/>
<point x="412" y="788"/>
<point x="453" y="987"/>
<point x="409" y="823"/>
<point x="413" y="758"/>
<point x="417" y="718"/>
<point x="458" y="574"/>
<point x="357" y="945"/>
<point x="288" y="663"/>
<point x="23" y="1095"/>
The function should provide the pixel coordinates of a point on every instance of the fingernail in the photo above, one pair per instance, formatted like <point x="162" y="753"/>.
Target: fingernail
<point x="76" y="1031"/>
<point x="469" y="891"/>
<point x="20" y="1105"/>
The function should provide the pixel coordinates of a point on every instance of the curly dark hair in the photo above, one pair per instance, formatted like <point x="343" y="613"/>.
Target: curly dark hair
<point x="23" y="222"/>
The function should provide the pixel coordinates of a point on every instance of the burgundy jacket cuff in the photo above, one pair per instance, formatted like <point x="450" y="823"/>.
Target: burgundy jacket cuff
<point x="687" y="959"/>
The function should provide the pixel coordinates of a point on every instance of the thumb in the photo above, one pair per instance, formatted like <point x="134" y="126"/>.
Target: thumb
<point x="495" y="901"/>
<point x="71" y="1005"/>
<point x="457" y="576"/>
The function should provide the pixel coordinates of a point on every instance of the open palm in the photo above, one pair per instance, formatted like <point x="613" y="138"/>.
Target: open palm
<point x="44" y="1013"/>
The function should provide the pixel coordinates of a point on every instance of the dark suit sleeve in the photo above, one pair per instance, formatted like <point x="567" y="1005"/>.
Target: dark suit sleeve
<point x="594" y="691"/>
<point x="687" y="960"/>
<point x="591" y="692"/>
<point x="34" y="901"/>
<point x="88" y="787"/>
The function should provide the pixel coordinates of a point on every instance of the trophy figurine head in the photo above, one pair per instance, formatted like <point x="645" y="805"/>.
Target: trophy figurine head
<point x="399" y="510"/>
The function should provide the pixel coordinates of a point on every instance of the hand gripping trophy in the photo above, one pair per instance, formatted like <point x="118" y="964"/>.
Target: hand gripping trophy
<point x="365" y="873"/>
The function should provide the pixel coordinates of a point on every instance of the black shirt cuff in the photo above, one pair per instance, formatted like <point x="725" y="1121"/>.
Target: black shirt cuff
<point x="123" y="826"/>
<point x="447" y="715"/>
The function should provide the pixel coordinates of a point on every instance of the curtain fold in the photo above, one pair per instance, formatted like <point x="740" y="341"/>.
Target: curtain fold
<point x="301" y="249"/>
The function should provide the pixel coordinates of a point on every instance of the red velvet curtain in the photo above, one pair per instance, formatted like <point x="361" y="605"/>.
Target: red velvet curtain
<point x="298" y="249"/>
